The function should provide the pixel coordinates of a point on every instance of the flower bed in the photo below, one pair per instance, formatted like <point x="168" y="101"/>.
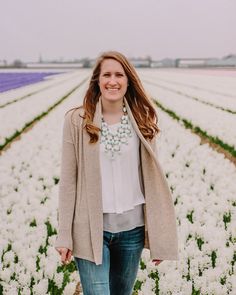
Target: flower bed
<point x="11" y="80"/>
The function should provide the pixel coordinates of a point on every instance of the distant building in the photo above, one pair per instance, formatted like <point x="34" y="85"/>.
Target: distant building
<point x="164" y="63"/>
<point x="191" y="62"/>
<point x="53" y="65"/>
<point x="227" y="61"/>
<point x="141" y="62"/>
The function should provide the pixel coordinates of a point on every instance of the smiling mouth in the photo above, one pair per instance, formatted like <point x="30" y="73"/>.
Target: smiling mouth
<point x="112" y="90"/>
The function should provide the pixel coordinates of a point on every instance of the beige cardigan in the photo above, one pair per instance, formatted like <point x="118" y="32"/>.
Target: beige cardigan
<point x="80" y="197"/>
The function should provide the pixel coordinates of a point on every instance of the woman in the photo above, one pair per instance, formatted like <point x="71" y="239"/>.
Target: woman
<point x="114" y="199"/>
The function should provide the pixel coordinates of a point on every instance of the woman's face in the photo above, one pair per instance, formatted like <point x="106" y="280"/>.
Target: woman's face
<point x="113" y="81"/>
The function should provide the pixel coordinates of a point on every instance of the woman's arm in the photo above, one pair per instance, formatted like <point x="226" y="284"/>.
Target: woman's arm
<point x="67" y="186"/>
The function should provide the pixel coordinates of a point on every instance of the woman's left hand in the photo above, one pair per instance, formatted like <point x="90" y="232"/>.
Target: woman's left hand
<point x="157" y="261"/>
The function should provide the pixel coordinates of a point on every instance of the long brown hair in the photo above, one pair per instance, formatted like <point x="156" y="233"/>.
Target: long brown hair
<point x="141" y="106"/>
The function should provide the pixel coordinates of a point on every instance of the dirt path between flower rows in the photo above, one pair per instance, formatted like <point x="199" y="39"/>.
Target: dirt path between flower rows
<point x="217" y="148"/>
<point x="27" y="129"/>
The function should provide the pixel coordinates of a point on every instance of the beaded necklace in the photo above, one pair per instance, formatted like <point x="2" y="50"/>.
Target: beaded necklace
<point x="113" y="140"/>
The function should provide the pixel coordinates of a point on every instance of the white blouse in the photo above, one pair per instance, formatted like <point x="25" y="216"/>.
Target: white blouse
<point x="121" y="189"/>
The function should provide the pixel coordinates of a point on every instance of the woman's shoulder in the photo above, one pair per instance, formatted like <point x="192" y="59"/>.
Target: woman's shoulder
<point x="75" y="115"/>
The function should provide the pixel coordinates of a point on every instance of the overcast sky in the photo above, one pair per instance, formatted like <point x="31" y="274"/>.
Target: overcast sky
<point x="71" y="29"/>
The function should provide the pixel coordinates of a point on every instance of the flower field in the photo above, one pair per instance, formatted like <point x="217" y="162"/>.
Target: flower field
<point x="204" y="113"/>
<point x="202" y="181"/>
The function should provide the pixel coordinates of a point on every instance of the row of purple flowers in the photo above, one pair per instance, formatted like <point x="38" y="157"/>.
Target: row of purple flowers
<point x="13" y="80"/>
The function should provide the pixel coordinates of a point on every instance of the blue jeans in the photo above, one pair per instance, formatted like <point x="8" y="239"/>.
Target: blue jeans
<point x="117" y="273"/>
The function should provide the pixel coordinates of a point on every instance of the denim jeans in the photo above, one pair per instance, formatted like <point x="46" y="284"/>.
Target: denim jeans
<point x="117" y="273"/>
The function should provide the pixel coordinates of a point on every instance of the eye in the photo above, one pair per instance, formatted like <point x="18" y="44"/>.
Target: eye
<point x="106" y="75"/>
<point x="119" y="75"/>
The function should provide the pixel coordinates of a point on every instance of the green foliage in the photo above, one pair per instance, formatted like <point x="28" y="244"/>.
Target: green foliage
<point x="227" y="218"/>
<point x="71" y="267"/>
<point x="13" y="276"/>
<point x="189" y="237"/>
<point x="33" y="223"/>
<point x="50" y="230"/>
<point x="190" y="216"/>
<point x="137" y="286"/>
<point x="56" y="180"/>
<point x="200" y="242"/>
<point x="32" y="282"/>
<point x="213" y="258"/>
<point x="53" y="289"/>
<point x="43" y="201"/>
<point x="16" y="259"/>
<point x="195" y="292"/>
<point x="37" y="263"/>
<point x="234" y="257"/>
<point x="223" y="280"/>
<point x="9" y="247"/>
<point x="142" y="264"/>
<point x="9" y="211"/>
<point x="188" y="275"/>
<point x="155" y="276"/>
<point x="176" y="200"/>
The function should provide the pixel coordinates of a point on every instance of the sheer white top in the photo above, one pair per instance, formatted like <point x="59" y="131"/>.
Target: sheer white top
<point x="121" y="189"/>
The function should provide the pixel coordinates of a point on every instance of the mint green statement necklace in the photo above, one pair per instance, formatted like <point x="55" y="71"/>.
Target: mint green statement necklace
<point x="113" y="140"/>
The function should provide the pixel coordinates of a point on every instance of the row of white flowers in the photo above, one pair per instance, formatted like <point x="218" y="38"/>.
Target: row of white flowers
<point x="215" y="122"/>
<point x="15" y="116"/>
<point x="192" y="92"/>
<point x="220" y="82"/>
<point x="13" y="94"/>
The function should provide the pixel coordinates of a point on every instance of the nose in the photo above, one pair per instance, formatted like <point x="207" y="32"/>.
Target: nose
<point x="112" y="80"/>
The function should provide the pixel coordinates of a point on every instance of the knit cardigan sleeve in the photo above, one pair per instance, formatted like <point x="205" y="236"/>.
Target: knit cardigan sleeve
<point x="67" y="186"/>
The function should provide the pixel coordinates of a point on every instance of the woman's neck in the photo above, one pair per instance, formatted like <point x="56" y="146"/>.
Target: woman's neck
<point x="112" y="111"/>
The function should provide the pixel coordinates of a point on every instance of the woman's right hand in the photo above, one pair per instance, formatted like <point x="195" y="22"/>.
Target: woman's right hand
<point x="65" y="254"/>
